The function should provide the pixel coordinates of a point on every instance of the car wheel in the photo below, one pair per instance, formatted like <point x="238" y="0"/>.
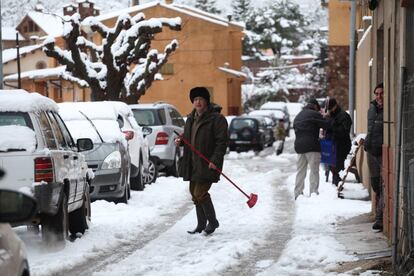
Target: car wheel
<point x="173" y="169"/>
<point x="137" y="182"/>
<point x="152" y="174"/>
<point x="80" y="219"/>
<point x="129" y="191"/>
<point x="55" y="228"/>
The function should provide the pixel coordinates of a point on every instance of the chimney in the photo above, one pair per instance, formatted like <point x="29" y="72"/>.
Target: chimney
<point x="69" y="9"/>
<point x="169" y="2"/>
<point x="134" y="3"/>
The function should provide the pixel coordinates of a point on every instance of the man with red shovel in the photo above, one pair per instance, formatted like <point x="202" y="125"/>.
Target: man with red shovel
<point x="206" y="131"/>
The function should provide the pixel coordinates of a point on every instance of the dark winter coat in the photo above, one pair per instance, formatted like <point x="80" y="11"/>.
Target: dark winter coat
<point x="307" y="125"/>
<point x="211" y="138"/>
<point x="375" y="135"/>
<point x="339" y="132"/>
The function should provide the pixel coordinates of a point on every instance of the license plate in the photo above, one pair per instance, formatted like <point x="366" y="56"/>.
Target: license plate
<point x="242" y="142"/>
<point x="233" y="136"/>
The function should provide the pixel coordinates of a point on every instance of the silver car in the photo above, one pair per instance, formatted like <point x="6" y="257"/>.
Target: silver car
<point x="164" y="119"/>
<point x="15" y="207"/>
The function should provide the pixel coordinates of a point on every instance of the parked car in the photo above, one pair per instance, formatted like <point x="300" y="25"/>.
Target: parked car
<point x="143" y="168"/>
<point x="248" y="133"/>
<point x="109" y="159"/>
<point x="278" y="106"/>
<point x="164" y="119"/>
<point x="15" y="207"/>
<point x="274" y="114"/>
<point x="40" y="156"/>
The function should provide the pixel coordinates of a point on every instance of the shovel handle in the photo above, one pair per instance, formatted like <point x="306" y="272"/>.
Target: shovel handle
<point x="208" y="161"/>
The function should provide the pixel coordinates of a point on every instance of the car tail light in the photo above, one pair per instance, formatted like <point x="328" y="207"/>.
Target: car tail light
<point x="129" y="135"/>
<point x="162" y="138"/>
<point x="43" y="169"/>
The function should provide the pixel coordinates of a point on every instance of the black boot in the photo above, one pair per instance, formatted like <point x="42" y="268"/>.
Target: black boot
<point x="211" y="217"/>
<point x="201" y="220"/>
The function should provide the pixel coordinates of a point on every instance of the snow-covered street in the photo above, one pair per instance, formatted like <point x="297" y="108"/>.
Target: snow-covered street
<point x="148" y="236"/>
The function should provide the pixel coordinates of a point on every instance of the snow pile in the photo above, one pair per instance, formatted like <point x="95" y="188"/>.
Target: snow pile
<point x="16" y="137"/>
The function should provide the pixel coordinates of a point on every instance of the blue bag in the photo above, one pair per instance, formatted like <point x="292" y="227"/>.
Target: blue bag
<point x="328" y="152"/>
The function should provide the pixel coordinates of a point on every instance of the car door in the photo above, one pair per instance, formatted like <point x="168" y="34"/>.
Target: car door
<point x="177" y="122"/>
<point x="80" y="166"/>
<point x="68" y="159"/>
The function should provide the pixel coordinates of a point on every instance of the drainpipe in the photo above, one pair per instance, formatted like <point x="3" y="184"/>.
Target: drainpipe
<point x="397" y="164"/>
<point x="351" y="84"/>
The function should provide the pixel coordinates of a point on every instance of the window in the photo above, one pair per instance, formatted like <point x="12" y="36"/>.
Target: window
<point x="47" y="131"/>
<point x="15" y="118"/>
<point x="162" y="117"/>
<point x="167" y="69"/>
<point x="176" y="118"/>
<point x="58" y="133"/>
<point x="31" y="26"/>
<point x="40" y="65"/>
<point x="86" y="5"/>
<point x="65" y="131"/>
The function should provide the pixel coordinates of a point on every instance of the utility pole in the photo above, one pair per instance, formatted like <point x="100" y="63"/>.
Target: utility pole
<point x="19" y="81"/>
<point x="1" y="54"/>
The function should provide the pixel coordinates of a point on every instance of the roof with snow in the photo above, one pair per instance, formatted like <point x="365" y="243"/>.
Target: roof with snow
<point x="194" y="12"/>
<point x="48" y="73"/>
<point x="23" y="101"/>
<point x="51" y="24"/>
<point x="11" y="54"/>
<point x="9" y="33"/>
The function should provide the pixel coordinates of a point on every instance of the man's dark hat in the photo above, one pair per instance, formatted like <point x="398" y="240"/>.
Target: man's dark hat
<point x="331" y="103"/>
<point x="200" y="92"/>
<point x="314" y="102"/>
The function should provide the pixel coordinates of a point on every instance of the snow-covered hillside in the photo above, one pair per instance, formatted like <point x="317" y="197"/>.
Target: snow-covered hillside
<point x="12" y="11"/>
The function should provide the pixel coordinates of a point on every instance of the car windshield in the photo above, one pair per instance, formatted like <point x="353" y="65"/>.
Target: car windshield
<point x="149" y="117"/>
<point x="242" y="123"/>
<point x="15" y="119"/>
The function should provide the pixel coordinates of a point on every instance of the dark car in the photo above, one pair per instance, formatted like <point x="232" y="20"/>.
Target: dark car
<point x="248" y="133"/>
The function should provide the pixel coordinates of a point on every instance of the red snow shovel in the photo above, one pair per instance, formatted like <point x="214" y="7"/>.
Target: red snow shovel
<point x="252" y="198"/>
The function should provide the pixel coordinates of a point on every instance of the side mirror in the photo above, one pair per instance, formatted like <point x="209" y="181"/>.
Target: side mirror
<point x="16" y="206"/>
<point x="84" y="144"/>
<point x="146" y="131"/>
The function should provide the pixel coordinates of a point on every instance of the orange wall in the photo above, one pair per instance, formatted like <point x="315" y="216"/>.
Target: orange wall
<point x="339" y="22"/>
<point x="203" y="46"/>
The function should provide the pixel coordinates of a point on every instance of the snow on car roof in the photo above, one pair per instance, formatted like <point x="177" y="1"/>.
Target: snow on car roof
<point x="273" y="105"/>
<point x="273" y="113"/>
<point x="94" y="110"/>
<point x="22" y="101"/>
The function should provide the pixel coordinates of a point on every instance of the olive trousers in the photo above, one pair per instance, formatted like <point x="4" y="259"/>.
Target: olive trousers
<point x="199" y="192"/>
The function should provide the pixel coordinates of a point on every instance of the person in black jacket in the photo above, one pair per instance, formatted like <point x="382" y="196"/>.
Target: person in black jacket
<point x="206" y="130"/>
<point x="307" y="125"/>
<point x="373" y="147"/>
<point x="339" y="132"/>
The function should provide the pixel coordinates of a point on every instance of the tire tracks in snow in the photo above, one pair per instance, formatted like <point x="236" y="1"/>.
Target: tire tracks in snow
<point x="264" y="255"/>
<point x="126" y="248"/>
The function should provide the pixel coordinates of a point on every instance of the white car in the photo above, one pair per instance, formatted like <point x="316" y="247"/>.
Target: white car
<point x="138" y="145"/>
<point x="40" y="157"/>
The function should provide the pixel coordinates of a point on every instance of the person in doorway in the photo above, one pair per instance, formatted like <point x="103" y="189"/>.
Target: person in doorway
<point x="280" y="135"/>
<point x="206" y="130"/>
<point x="373" y="147"/>
<point x="306" y="126"/>
<point x="339" y="132"/>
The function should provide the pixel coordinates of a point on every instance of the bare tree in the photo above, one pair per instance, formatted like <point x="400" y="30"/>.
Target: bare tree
<point x="124" y="66"/>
